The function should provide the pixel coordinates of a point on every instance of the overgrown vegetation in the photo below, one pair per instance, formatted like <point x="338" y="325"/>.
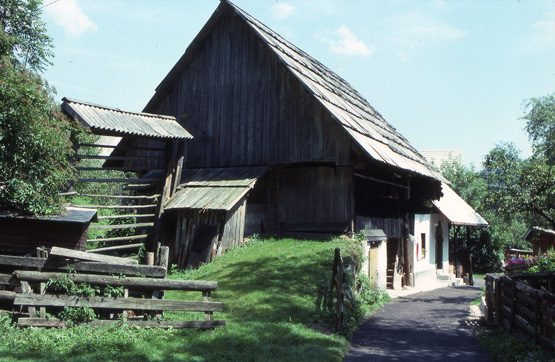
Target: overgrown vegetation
<point x="502" y="346"/>
<point x="270" y="290"/>
<point x="511" y="192"/>
<point x="35" y="146"/>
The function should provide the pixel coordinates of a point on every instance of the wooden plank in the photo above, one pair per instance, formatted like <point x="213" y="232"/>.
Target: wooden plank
<point x="83" y="266"/>
<point x="124" y="169"/>
<point x="117" y="247"/>
<point x="121" y="226"/>
<point x="121" y="147"/>
<point x="81" y="255"/>
<point x="123" y="207"/>
<point x="129" y="180"/>
<point x="57" y="323"/>
<point x="123" y="197"/>
<point x="119" y="158"/>
<point x="37" y="300"/>
<point x="7" y="295"/>
<point x="8" y="279"/>
<point x="119" y="238"/>
<point x="116" y="281"/>
<point x="113" y="217"/>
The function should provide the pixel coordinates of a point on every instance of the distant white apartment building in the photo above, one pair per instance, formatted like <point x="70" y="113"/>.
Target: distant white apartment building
<point x="440" y="157"/>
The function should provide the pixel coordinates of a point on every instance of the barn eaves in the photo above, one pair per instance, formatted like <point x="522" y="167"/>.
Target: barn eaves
<point x="116" y="122"/>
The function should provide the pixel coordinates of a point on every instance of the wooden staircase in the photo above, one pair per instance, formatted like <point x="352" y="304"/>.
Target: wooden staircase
<point x="394" y="279"/>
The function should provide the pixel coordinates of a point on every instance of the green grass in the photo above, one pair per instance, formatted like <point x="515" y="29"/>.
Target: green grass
<point x="502" y="346"/>
<point x="270" y="289"/>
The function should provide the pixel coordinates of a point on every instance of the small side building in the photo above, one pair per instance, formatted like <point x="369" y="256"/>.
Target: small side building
<point x="541" y="239"/>
<point x="22" y="235"/>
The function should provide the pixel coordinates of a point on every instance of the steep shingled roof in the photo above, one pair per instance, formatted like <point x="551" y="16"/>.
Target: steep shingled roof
<point x="359" y="119"/>
<point x="116" y="122"/>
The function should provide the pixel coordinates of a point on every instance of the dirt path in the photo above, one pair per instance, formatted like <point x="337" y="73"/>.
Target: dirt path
<point x="428" y="326"/>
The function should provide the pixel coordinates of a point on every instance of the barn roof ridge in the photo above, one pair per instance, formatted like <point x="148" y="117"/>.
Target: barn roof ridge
<point x="364" y="124"/>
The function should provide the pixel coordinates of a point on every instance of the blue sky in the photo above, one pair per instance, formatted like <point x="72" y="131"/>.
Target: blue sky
<point x="446" y="74"/>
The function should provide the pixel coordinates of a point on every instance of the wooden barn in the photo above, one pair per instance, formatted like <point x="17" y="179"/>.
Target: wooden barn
<point x="542" y="240"/>
<point x="322" y="159"/>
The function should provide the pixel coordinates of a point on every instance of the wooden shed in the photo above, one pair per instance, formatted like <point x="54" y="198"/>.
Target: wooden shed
<point x="250" y="98"/>
<point x="22" y="235"/>
<point x="542" y="239"/>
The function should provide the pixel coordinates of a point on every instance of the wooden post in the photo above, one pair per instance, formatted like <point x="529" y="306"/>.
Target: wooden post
<point x="406" y="241"/>
<point x="499" y="301"/>
<point x="537" y="302"/>
<point x="469" y="246"/>
<point x="164" y="257"/>
<point x="42" y="310"/>
<point x="513" y="306"/>
<point x="489" y="299"/>
<point x="26" y="289"/>
<point x="150" y="258"/>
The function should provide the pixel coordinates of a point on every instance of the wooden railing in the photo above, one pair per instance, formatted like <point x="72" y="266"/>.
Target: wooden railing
<point x="144" y="293"/>
<point x="514" y="306"/>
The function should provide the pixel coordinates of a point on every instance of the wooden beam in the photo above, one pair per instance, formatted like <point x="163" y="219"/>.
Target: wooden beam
<point x="123" y="197"/>
<point x="123" y="158"/>
<point x="37" y="300"/>
<point x="116" y="281"/>
<point x="121" y="226"/>
<point x="113" y="248"/>
<point x="122" y="148"/>
<point x="81" y="255"/>
<point x="129" y="180"/>
<point x="83" y="266"/>
<point x="126" y="207"/>
<point x="57" y="323"/>
<point x="124" y="169"/>
<point x="6" y="295"/>
<point x="124" y="216"/>
<point x="8" y="279"/>
<point x="120" y="238"/>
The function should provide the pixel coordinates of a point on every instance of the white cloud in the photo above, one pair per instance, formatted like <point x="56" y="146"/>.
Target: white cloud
<point x="411" y="31"/>
<point x="423" y="28"/>
<point x="347" y="43"/>
<point x="283" y="10"/>
<point x="544" y="32"/>
<point x="67" y="14"/>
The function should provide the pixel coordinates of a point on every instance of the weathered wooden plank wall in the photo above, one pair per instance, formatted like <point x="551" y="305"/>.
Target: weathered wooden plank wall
<point x="231" y="225"/>
<point x="20" y="235"/>
<point x="244" y="107"/>
<point x="314" y="197"/>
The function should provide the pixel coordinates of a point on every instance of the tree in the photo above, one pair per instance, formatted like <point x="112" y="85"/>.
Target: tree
<point x="35" y="146"/>
<point x="540" y="125"/>
<point x="23" y="35"/>
<point x="520" y="186"/>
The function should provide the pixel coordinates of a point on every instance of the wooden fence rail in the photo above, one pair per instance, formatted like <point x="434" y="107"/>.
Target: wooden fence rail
<point x="144" y="296"/>
<point x="516" y="307"/>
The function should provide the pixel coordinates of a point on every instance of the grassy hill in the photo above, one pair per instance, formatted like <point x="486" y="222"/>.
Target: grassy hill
<point x="270" y="288"/>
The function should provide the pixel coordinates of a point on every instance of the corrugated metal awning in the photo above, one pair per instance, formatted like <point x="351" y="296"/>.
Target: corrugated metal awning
<point x="115" y="122"/>
<point x="214" y="188"/>
<point x="456" y="210"/>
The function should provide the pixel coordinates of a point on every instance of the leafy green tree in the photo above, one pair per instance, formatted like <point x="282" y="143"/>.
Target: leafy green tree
<point x="23" y="36"/>
<point x="35" y="146"/>
<point x="540" y="125"/>
<point x="525" y="187"/>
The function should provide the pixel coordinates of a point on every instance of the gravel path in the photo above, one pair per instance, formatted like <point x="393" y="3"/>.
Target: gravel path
<point x="427" y="326"/>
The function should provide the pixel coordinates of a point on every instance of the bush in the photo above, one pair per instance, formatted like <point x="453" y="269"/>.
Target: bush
<point x="35" y="146"/>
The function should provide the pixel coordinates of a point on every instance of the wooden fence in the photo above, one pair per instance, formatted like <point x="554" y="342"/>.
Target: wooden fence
<point x="516" y="307"/>
<point x="337" y="282"/>
<point x="144" y="294"/>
